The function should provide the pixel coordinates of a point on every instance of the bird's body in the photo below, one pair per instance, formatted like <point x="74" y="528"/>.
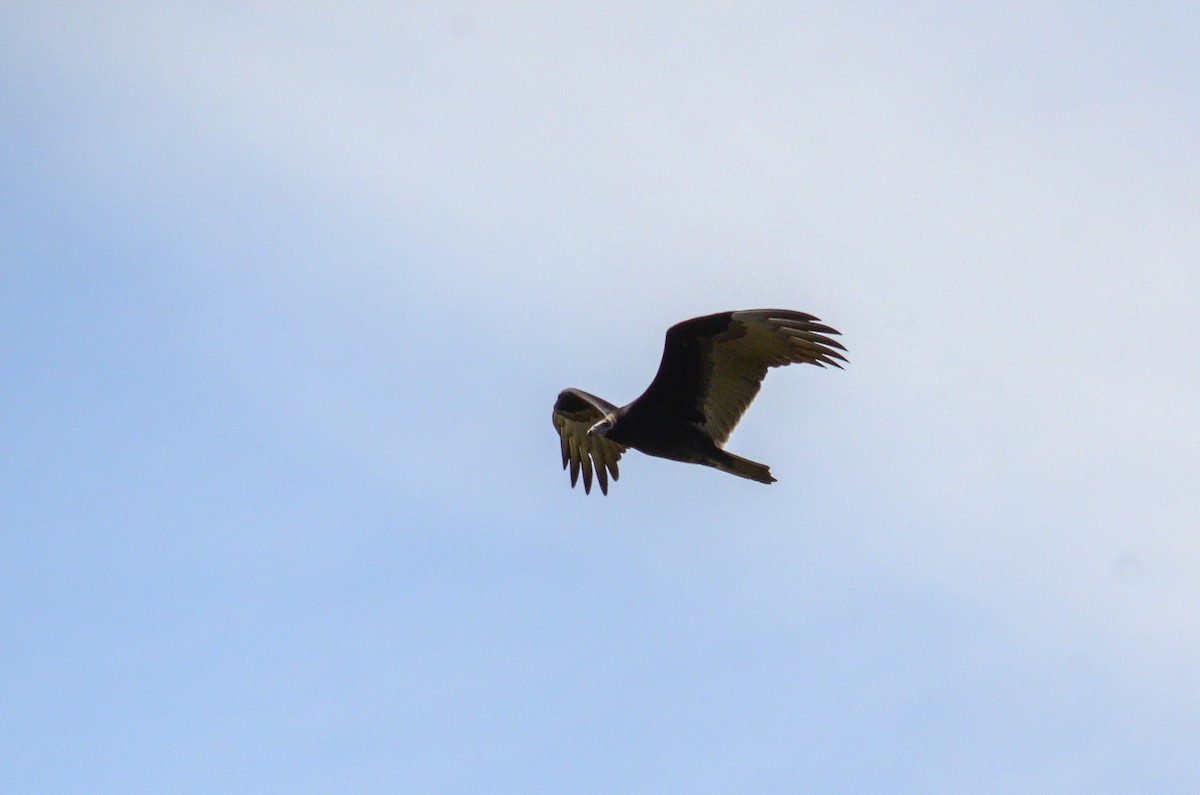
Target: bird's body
<point x="712" y="367"/>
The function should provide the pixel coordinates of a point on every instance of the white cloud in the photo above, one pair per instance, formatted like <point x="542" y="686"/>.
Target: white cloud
<point x="996" y="206"/>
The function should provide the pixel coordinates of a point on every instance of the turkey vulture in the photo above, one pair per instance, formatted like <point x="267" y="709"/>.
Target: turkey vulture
<point x="712" y="367"/>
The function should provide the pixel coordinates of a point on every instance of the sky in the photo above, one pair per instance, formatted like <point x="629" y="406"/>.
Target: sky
<point x="287" y="292"/>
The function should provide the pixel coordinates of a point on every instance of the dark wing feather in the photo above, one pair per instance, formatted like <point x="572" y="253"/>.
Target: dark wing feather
<point x="574" y="412"/>
<point x="713" y="366"/>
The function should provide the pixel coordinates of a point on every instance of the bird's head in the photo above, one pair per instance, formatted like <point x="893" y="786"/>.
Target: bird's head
<point x="602" y="427"/>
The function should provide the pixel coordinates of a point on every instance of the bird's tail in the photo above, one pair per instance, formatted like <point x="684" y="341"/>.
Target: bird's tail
<point x="742" y="467"/>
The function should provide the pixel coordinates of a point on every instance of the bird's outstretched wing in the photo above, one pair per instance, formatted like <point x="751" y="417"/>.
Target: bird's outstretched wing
<point x="713" y="366"/>
<point x="574" y="412"/>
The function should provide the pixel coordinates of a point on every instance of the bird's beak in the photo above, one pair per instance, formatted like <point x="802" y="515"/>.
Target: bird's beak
<point x="600" y="428"/>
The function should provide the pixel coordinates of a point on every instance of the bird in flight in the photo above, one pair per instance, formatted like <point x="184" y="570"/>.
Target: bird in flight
<point x="711" y="369"/>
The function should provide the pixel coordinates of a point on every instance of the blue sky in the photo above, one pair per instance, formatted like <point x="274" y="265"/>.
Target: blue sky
<point x="288" y="292"/>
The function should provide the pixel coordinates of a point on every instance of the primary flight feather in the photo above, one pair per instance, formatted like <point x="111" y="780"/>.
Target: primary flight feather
<point x="711" y="369"/>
